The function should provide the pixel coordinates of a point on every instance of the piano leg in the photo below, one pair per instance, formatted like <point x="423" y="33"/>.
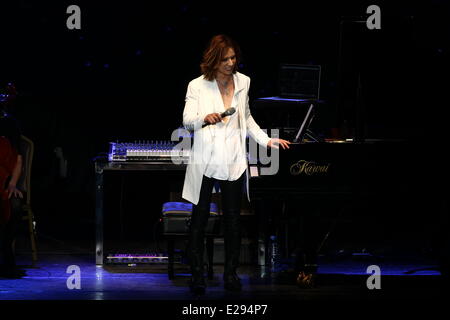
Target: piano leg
<point x="272" y="220"/>
<point x="296" y="223"/>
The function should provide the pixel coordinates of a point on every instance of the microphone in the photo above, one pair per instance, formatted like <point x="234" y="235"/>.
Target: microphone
<point x="227" y="113"/>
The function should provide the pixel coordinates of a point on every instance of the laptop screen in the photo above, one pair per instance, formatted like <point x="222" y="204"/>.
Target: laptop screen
<point x="299" y="81"/>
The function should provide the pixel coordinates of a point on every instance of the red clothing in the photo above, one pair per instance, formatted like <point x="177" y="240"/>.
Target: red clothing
<point x="8" y="160"/>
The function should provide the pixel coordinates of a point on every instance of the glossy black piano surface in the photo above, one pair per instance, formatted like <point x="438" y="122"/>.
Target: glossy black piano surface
<point x="325" y="195"/>
<point x="339" y="167"/>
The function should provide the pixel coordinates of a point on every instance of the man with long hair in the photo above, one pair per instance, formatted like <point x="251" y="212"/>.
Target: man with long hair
<point x="219" y="153"/>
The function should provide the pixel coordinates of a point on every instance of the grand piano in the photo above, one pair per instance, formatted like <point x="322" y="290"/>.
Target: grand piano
<point x="331" y="189"/>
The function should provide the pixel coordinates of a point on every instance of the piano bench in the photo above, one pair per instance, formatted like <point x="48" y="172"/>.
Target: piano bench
<point x="176" y="217"/>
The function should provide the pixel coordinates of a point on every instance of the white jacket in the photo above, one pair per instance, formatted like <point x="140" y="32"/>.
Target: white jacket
<point x="201" y="98"/>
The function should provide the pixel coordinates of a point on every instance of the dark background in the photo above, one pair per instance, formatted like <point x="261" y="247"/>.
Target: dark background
<point x="124" y="75"/>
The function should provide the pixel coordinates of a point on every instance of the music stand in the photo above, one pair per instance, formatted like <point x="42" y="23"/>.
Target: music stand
<point x="304" y="130"/>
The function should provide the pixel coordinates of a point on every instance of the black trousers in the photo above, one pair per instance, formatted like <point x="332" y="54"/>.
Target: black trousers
<point x="231" y="202"/>
<point x="8" y="233"/>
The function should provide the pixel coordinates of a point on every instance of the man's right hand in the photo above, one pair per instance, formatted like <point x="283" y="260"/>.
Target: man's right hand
<point x="213" y="118"/>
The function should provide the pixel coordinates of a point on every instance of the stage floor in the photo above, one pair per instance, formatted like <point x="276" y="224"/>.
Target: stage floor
<point x="344" y="279"/>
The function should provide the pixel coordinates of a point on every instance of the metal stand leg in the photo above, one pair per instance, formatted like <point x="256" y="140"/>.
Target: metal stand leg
<point x="170" y="253"/>
<point x="98" y="214"/>
<point x="210" y="253"/>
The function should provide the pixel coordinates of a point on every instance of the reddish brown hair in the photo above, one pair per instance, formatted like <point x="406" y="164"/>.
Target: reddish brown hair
<point x="214" y="52"/>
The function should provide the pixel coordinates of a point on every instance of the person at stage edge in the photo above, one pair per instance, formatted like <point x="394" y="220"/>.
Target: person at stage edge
<point x="10" y="196"/>
<point x="219" y="153"/>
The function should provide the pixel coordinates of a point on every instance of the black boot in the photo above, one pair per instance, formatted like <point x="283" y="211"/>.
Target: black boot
<point x="232" y="282"/>
<point x="198" y="284"/>
<point x="232" y="253"/>
<point x="195" y="250"/>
